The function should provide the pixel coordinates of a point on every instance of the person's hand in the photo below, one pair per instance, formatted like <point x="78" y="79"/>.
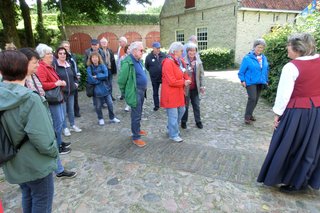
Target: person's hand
<point x="60" y="83"/>
<point x="76" y="85"/>
<point x="244" y="84"/>
<point x="276" y="121"/>
<point x="202" y="90"/>
<point x="94" y="76"/>
<point x="187" y="82"/>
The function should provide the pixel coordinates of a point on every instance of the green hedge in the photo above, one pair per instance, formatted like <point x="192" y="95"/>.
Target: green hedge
<point x="276" y="50"/>
<point x="217" y="58"/>
<point x="83" y="71"/>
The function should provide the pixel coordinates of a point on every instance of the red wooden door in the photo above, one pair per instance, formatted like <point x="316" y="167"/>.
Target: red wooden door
<point x="133" y="36"/>
<point x="79" y="42"/>
<point x="152" y="37"/>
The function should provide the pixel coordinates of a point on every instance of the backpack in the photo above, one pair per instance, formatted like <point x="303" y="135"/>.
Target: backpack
<point x="7" y="149"/>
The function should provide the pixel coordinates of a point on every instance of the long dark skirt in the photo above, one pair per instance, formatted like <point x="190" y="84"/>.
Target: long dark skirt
<point x="293" y="156"/>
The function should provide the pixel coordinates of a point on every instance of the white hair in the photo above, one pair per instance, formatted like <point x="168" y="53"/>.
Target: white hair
<point x="43" y="49"/>
<point x="190" y="46"/>
<point x="175" y="46"/>
<point x="193" y="38"/>
<point x="104" y="39"/>
<point x="134" y="45"/>
<point x="122" y="38"/>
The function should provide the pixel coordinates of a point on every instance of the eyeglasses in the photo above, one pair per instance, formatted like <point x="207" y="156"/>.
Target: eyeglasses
<point x="61" y="53"/>
<point x="141" y="50"/>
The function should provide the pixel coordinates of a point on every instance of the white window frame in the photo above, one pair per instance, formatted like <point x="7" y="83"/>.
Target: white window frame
<point x="202" y="39"/>
<point x="176" y="35"/>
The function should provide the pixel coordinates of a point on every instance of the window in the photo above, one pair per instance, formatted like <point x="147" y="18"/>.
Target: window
<point x="190" y="4"/>
<point x="180" y="36"/>
<point x="202" y="36"/>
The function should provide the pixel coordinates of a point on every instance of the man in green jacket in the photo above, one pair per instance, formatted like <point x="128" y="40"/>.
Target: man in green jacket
<point x="132" y="82"/>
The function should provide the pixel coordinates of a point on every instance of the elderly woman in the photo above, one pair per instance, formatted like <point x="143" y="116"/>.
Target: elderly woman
<point x="27" y="122"/>
<point x="67" y="74"/>
<point x="196" y="73"/>
<point x="253" y="75"/>
<point x="174" y="80"/>
<point x="49" y="80"/>
<point x="294" y="153"/>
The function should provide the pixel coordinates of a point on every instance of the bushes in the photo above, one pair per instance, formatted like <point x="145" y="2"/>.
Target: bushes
<point x="217" y="58"/>
<point x="82" y="69"/>
<point x="276" y="51"/>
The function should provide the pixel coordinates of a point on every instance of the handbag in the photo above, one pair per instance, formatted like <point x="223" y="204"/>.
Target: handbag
<point x="54" y="96"/>
<point x="7" y="149"/>
<point x="89" y="89"/>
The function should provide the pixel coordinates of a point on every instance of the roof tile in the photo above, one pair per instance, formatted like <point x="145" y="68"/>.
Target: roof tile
<point x="276" y="4"/>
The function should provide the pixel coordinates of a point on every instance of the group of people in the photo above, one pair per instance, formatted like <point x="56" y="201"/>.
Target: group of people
<point x="28" y="76"/>
<point x="293" y="159"/>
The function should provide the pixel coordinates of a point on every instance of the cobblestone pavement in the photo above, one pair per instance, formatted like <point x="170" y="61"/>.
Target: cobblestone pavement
<point x="213" y="170"/>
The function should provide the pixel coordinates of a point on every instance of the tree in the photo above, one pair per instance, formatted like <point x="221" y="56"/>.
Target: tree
<point x="40" y="27"/>
<point x="91" y="9"/>
<point x="27" y="22"/>
<point x="8" y="18"/>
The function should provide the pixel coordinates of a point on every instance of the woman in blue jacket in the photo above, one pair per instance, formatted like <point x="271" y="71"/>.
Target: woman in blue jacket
<point x="97" y="74"/>
<point x="253" y="75"/>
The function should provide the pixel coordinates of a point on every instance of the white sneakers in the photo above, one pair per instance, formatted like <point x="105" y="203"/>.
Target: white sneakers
<point x="66" y="132"/>
<point x="74" y="128"/>
<point x="177" y="139"/>
<point x="101" y="122"/>
<point x="115" y="120"/>
<point x="127" y="109"/>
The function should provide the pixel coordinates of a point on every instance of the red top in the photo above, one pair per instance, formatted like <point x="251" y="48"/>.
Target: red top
<point x="47" y="75"/>
<point x="172" y="89"/>
<point x="307" y="85"/>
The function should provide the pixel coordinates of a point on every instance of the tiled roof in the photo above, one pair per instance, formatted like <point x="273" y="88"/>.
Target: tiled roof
<point x="276" y="4"/>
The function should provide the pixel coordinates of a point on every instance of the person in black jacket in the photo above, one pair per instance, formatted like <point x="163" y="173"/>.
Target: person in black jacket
<point x="65" y="72"/>
<point x="73" y="62"/>
<point x="153" y="65"/>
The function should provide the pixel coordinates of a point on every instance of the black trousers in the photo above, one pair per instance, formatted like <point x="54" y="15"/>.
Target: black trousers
<point x="155" y="88"/>
<point x="254" y="92"/>
<point x="76" y="103"/>
<point x="193" y="96"/>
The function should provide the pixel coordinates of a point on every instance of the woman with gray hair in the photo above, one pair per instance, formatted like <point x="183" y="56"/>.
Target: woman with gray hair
<point x="50" y="80"/>
<point x="253" y="75"/>
<point x="196" y="73"/>
<point x="174" y="80"/>
<point x="293" y="159"/>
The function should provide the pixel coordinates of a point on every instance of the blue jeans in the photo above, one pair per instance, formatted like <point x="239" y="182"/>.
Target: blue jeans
<point x="37" y="195"/>
<point x="57" y="114"/>
<point x="136" y="113"/>
<point x="98" y="106"/>
<point x="174" y="118"/>
<point x="68" y="108"/>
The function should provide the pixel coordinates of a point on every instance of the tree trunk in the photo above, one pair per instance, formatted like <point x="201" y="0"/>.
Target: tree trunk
<point x="27" y="22"/>
<point x="40" y="27"/>
<point x="7" y="16"/>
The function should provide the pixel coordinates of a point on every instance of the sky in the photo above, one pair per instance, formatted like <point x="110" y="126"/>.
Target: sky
<point x="132" y="7"/>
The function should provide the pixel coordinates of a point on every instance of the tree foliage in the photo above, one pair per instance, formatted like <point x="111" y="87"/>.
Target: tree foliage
<point x="90" y="9"/>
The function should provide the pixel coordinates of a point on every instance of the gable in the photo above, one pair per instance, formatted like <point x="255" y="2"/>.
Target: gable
<point x="276" y="4"/>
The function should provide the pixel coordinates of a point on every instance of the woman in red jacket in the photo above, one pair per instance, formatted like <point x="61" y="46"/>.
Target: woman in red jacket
<point x="174" y="79"/>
